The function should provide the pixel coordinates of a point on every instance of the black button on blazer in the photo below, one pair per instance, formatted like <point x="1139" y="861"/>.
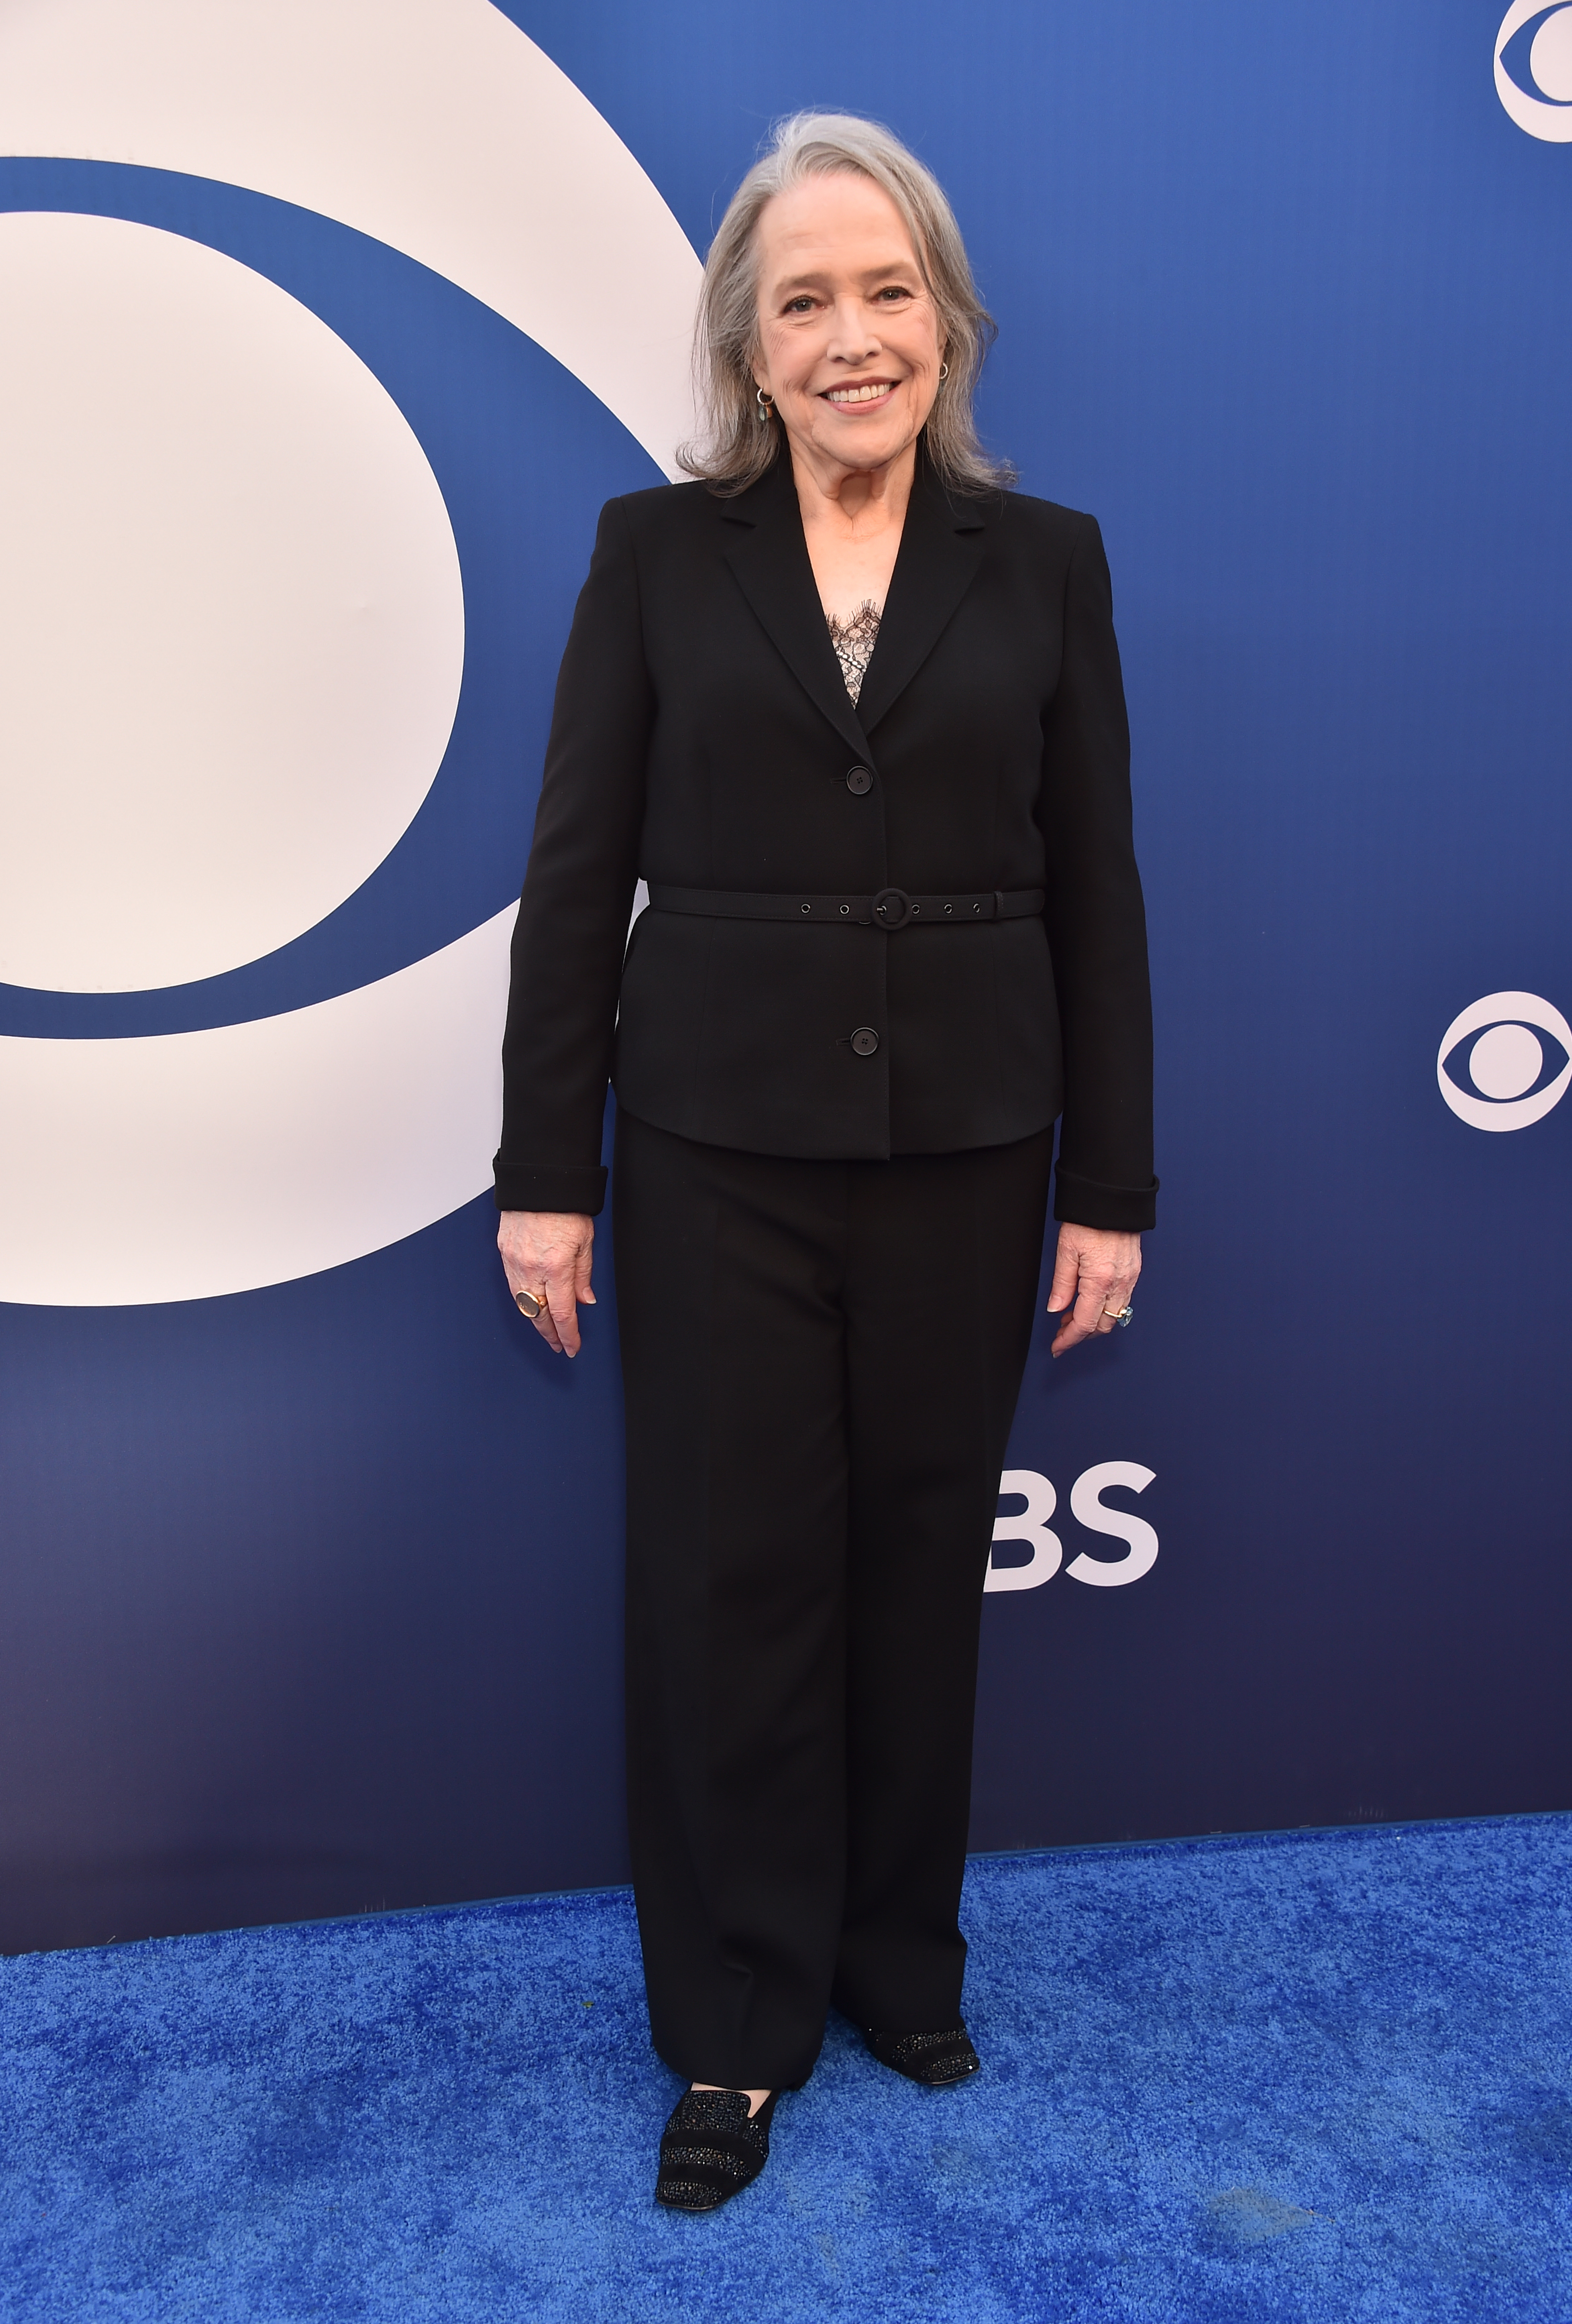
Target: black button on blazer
<point x="702" y="738"/>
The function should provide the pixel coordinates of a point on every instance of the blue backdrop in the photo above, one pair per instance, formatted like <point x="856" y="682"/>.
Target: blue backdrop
<point x="311" y="1594"/>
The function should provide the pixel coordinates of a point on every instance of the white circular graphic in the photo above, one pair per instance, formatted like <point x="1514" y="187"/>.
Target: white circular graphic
<point x="1544" y="108"/>
<point x="437" y="127"/>
<point x="246" y="1153"/>
<point x="231" y="613"/>
<point x="1550" y="58"/>
<point x="1506" y="1061"/>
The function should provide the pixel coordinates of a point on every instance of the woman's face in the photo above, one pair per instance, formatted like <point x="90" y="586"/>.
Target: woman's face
<point x="849" y="340"/>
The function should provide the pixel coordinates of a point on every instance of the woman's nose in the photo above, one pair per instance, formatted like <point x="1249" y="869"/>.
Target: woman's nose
<point x="852" y="337"/>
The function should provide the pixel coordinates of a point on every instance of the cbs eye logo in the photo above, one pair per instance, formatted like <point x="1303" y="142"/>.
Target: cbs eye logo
<point x="1533" y="67"/>
<point x="1506" y="1061"/>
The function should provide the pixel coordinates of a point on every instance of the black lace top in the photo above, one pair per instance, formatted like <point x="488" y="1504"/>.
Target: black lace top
<point x="853" y="641"/>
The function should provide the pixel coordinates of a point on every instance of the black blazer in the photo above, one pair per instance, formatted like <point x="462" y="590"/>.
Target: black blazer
<point x="702" y="738"/>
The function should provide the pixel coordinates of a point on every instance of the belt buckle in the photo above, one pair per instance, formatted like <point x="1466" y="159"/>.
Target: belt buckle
<point x="883" y="903"/>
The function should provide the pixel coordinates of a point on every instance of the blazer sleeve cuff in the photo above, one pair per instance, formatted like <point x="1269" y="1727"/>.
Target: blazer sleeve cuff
<point x="1090" y="1203"/>
<point x="522" y="1186"/>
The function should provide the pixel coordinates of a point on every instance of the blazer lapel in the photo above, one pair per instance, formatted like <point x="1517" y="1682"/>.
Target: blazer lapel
<point x="766" y="551"/>
<point x="941" y="546"/>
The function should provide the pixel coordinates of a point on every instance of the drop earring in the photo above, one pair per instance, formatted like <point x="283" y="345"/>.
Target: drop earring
<point x="766" y="405"/>
<point x="943" y="371"/>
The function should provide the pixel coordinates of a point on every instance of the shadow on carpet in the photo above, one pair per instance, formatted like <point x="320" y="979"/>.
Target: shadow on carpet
<point x="1318" y="2077"/>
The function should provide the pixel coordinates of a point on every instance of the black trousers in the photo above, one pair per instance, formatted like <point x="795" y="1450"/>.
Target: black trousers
<point x="821" y="1361"/>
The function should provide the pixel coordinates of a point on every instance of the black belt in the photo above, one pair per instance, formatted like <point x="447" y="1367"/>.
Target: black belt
<point x="890" y="909"/>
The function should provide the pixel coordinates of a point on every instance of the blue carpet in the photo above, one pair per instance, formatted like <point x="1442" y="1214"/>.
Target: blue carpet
<point x="1321" y="2076"/>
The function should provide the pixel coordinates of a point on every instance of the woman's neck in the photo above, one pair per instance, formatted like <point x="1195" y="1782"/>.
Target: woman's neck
<point x="853" y="503"/>
<point x="852" y="522"/>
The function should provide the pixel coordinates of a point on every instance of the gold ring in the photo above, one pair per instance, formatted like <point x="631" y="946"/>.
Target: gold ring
<point x="528" y="1304"/>
<point x="1120" y="1315"/>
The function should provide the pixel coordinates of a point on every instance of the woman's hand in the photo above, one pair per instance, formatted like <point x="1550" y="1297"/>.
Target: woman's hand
<point x="1095" y="1270"/>
<point x="549" y="1253"/>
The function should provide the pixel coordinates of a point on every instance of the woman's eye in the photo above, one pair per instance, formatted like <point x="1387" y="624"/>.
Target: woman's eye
<point x="895" y="291"/>
<point x="799" y="306"/>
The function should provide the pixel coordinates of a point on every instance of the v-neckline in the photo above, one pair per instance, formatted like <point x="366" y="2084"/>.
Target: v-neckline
<point x="854" y="640"/>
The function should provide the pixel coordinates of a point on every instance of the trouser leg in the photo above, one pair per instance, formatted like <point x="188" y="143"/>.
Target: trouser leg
<point x="944" y="1254"/>
<point x="728" y="1279"/>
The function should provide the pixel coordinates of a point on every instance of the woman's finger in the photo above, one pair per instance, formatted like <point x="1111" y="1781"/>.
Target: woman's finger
<point x="1097" y="1291"/>
<point x="1089" y="1303"/>
<point x="542" y="1281"/>
<point x="583" y="1263"/>
<point x="1110" y="1297"/>
<point x="563" y="1309"/>
<point x="548" y="1331"/>
<point x="533" y="1281"/>
<point x="1080" y="1320"/>
<point x="1066" y="1272"/>
<point x="1115" y="1298"/>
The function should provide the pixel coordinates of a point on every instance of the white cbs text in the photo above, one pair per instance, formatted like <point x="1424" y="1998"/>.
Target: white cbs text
<point x="1030" y="1526"/>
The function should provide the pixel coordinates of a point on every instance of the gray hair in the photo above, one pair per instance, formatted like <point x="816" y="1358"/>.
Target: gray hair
<point x="737" y="450"/>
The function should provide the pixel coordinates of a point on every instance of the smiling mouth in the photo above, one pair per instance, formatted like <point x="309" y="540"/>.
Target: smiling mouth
<point x="867" y="390"/>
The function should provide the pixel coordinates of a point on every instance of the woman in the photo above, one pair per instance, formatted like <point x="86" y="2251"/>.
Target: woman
<point x="855" y="713"/>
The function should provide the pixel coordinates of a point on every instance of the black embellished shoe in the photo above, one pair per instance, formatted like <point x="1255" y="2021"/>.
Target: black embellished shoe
<point x="935" y="2060"/>
<point x="711" y="2148"/>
